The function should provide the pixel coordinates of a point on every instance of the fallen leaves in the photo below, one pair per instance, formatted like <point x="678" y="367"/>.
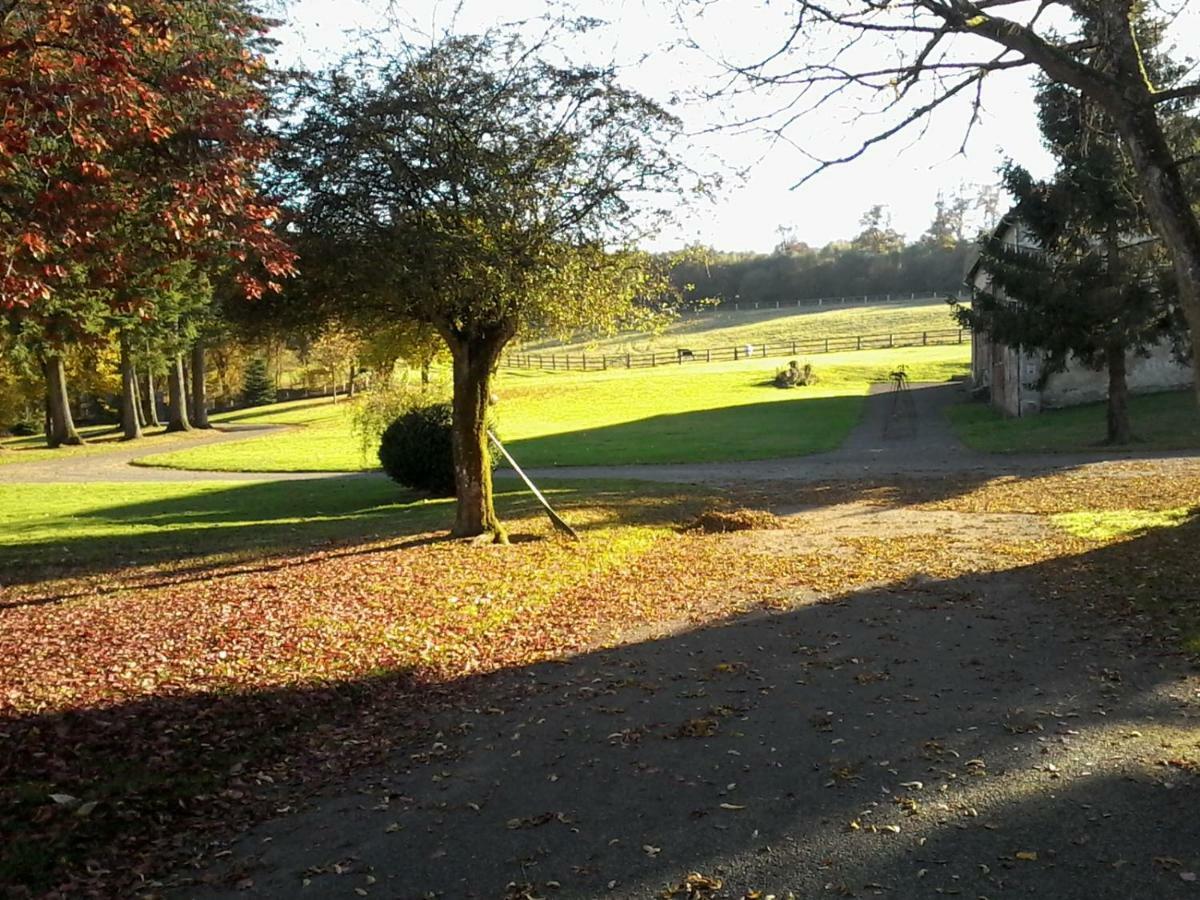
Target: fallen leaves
<point x="693" y="886"/>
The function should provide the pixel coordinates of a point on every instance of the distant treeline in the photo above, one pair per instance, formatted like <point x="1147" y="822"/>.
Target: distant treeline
<point x="798" y="272"/>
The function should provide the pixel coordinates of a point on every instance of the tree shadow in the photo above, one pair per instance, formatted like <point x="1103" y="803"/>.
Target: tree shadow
<point x="791" y="426"/>
<point x="199" y="535"/>
<point x="776" y="751"/>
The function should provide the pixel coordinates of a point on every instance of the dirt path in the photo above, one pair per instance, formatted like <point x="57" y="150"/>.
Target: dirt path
<point x="951" y="738"/>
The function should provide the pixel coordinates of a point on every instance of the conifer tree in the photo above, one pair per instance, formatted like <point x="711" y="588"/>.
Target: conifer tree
<point x="1091" y="283"/>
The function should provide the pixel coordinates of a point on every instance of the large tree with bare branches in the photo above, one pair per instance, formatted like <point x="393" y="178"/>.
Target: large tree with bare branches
<point x="906" y="59"/>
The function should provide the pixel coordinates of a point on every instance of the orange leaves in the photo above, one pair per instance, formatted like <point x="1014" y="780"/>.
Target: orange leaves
<point x="93" y="86"/>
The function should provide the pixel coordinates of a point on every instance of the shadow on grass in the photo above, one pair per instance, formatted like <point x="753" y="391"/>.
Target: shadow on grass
<point x="760" y="738"/>
<point x="196" y="531"/>
<point x="793" y="426"/>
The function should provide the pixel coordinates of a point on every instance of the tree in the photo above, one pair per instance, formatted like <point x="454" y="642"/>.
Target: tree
<point x="1092" y="285"/>
<point x="941" y="52"/>
<point x="877" y="235"/>
<point x="257" y="387"/>
<point x="155" y="163"/>
<point x="478" y="188"/>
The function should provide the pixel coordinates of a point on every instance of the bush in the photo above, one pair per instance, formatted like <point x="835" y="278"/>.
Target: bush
<point x="417" y="451"/>
<point x="388" y="400"/>
<point x="25" y="428"/>
<point x="795" y="375"/>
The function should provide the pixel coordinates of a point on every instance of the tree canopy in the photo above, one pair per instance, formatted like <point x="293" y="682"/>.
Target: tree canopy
<point x="481" y="188"/>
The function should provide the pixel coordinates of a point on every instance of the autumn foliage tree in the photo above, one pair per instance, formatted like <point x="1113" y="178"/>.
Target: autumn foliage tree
<point x="128" y="144"/>
<point x="481" y="189"/>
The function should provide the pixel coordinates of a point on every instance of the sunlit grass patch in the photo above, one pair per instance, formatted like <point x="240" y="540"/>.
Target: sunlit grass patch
<point x="673" y="414"/>
<point x="1119" y="523"/>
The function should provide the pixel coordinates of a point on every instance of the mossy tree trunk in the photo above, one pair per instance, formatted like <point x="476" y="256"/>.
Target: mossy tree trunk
<point x="474" y="360"/>
<point x="177" y="414"/>
<point x="199" y="395"/>
<point x="61" y="431"/>
<point x="131" y="423"/>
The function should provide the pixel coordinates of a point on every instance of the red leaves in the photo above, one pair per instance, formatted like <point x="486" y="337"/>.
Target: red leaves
<point x="105" y="106"/>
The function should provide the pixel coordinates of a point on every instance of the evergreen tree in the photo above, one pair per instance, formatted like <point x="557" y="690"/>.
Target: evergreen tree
<point x="1095" y="286"/>
<point x="257" y="387"/>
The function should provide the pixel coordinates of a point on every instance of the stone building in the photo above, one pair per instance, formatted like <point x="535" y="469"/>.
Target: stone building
<point x="1011" y="377"/>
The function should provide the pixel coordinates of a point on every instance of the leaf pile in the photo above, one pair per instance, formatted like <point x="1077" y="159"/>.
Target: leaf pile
<point x="716" y="521"/>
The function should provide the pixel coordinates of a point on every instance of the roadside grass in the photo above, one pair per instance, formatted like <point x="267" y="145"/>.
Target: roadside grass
<point x="692" y="413"/>
<point x="727" y="328"/>
<point x="1164" y="421"/>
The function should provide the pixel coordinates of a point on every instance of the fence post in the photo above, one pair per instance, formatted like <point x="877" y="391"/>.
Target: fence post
<point x="628" y="362"/>
<point x="793" y="348"/>
<point x="859" y="339"/>
<point x="826" y="345"/>
<point x="960" y="335"/>
<point x="708" y="355"/>
<point x="583" y="356"/>
<point x="604" y="363"/>
<point x="924" y="338"/>
<point x="735" y="354"/>
<point x="553" y="361"/>
<point x="891" y="341"/>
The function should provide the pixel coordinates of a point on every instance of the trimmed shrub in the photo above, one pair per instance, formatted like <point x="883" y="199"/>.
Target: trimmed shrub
<point x="417" y="450"/>
<point x="795" y="375"/>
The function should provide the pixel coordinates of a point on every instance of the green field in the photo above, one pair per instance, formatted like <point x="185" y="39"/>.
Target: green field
<point x="720" y="328"/>
<point x="1167" y="421"/>
<point x="693" y="413"/>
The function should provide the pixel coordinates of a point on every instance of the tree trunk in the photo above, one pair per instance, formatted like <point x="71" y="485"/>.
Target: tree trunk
<point x="425" y="373"/>
<point x="177" y="419"/>
<point x="131" y="425"/>
<point x="474" y="360"/>
<point x="62" y="426"/>
<point x="137" y="398"/>
<point x="1118" y="395"/>
<point x="151" y="401"/>
<point x="199" y="398"/>
<point x="1170" y="211"/>
<point x="350" y="381"/>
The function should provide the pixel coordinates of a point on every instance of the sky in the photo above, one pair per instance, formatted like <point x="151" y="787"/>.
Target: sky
<point x="758" y="198"/>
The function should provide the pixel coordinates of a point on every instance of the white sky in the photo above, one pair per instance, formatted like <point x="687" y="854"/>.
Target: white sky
<point x="905" y="173"/>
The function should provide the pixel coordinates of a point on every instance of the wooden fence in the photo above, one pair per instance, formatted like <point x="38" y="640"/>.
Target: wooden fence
<point x="596" y="362"/>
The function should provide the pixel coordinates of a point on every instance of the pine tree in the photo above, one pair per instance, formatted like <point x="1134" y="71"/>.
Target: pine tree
<point x="1096" y="287"/>
<point x="257" y="387"/>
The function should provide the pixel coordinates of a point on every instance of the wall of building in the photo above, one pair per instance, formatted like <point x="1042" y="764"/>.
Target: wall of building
<point x="1078" y="384"/>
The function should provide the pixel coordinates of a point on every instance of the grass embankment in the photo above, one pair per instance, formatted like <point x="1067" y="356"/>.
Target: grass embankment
<point x="1167" y="421"/>
<point x="674" y="414"/>
<point x="727" y="328"/>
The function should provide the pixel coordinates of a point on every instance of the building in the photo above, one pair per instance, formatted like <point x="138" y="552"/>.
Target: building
<point x="1011" y="378"/>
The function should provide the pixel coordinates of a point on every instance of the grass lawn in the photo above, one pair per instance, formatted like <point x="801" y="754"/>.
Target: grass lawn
<point x="727" y="328"/>
<point x="1167" y="421"/>
<point x="692" y="413"/>
<point x="55" y="528"/>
